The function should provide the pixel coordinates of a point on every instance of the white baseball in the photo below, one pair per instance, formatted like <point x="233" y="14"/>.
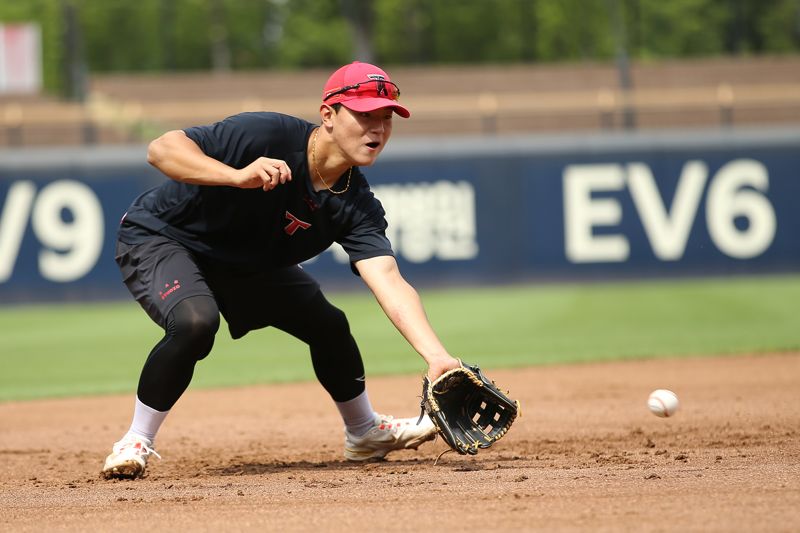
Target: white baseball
<point x="663" y="403"/>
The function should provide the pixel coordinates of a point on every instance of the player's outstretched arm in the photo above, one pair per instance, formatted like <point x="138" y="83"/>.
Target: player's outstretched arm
<point x="179" y="158"/>
<point x="401" y="303"/>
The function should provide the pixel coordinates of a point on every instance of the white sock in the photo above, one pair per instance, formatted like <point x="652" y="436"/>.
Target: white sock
<point x="146" y="421"/>
<point x="357" y="414"/>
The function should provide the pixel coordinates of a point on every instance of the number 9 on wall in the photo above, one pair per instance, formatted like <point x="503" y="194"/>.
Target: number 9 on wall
<point x="67" y="221"/>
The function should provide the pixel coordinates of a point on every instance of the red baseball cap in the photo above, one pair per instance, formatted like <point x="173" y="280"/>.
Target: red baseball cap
<point x="363" y="87"/>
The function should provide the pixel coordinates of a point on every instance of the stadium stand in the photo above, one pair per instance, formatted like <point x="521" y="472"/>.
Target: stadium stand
<point x="445" y="100"/>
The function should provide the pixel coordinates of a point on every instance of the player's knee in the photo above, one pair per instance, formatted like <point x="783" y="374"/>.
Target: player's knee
<point x="196" y="328"/>
<point x="334" y="324"/>
<point x="194" y="323"/>
<point x="337" y="319"/>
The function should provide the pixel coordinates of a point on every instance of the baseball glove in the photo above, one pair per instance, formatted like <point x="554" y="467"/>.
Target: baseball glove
<point x="469" y="411"/>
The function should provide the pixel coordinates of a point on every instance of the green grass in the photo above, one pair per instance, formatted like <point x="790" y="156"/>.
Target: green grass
<point x="84" y="349"/>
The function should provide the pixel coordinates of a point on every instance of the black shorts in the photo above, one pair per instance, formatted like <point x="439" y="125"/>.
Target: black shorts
<point x="160" y="273"/>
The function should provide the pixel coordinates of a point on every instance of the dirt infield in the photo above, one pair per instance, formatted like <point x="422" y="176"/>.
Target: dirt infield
<point x="586" y="455"/>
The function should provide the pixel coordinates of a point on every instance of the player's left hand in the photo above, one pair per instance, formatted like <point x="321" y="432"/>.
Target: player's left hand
<point x="468" y="409"/>
<point x="439" y="366"/>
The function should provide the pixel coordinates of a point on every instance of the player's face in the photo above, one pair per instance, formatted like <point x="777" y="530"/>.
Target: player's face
<point x="361" y="136"/>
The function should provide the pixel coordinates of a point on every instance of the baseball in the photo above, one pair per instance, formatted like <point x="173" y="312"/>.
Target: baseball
<point x="663" y="403"/>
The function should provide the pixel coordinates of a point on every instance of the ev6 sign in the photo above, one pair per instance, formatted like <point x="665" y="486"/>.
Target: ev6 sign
<point x="515" y="215"/>
<point x="736" y="192"/>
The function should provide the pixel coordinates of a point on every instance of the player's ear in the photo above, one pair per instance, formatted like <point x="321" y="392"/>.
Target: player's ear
<point x="326" y="114"/>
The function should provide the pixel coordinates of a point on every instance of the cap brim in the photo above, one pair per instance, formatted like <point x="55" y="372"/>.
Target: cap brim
<point x="371" y="104"/>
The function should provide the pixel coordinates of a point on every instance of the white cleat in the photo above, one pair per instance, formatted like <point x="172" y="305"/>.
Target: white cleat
<point x="128" y="458"/>
<point x="388" y="434"/>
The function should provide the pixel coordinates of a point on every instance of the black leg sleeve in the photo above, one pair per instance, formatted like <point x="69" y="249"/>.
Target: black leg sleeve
<point x="189" y="337"/>
<point x="334" y="352"/>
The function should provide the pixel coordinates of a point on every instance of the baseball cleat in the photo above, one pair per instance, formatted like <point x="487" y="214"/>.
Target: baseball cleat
<point x="128" y="458"/>
<point x="387" y="435"/>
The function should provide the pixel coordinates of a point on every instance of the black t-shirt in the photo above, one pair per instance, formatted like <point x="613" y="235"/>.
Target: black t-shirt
<point x="255" y="229"/>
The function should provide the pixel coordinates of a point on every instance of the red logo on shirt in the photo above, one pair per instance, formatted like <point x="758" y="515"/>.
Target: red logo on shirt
<point x="294" y="224"/>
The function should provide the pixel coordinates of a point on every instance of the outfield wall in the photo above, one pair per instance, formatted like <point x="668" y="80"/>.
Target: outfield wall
<point x="461" y="211"/>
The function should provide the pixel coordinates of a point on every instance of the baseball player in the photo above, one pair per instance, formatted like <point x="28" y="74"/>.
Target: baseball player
<point x="249" y="199"/>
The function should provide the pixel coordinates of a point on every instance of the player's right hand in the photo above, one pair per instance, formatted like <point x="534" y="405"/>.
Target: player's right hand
<point x="264" y="172"/>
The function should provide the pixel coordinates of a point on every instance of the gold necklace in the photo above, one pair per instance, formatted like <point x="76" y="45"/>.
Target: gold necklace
<point x="316" y="169"/>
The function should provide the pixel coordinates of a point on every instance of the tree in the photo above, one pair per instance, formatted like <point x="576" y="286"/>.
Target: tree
<point x="360" y="18"/>
<point x="166" y="35"/>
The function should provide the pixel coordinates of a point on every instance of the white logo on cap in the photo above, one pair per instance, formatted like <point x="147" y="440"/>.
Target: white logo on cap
<point x="376" y="77"/>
